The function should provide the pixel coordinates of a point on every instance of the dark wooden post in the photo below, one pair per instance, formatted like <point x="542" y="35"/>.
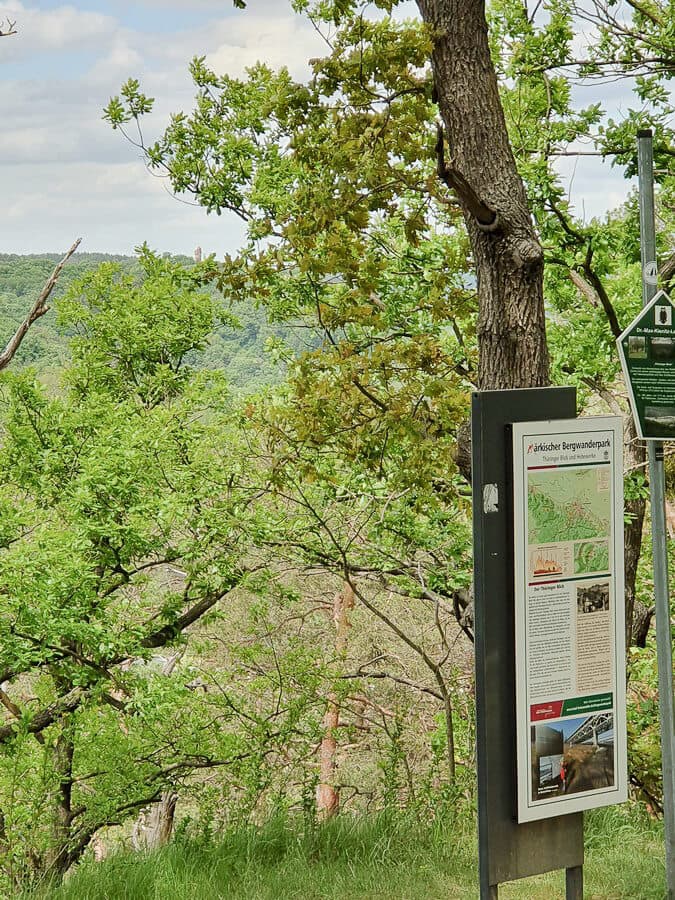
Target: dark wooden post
<point x="507" y="850"/>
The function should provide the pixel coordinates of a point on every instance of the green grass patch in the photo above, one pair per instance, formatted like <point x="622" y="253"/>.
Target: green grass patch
<point x="376" y="858"/>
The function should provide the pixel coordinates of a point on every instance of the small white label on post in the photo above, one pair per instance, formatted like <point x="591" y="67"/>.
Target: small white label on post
<point x="490" y="498"/>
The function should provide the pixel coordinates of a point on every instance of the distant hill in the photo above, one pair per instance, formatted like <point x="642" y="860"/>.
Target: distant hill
<point x="241" y="352"/>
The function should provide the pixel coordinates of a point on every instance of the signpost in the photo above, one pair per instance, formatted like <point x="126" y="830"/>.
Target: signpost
<point x="549" y="600"/>
<point x="664" y="650"/>
<point x="647" y="351"/>
<point x="507" y="849"/>
<point x="569" y="616"/>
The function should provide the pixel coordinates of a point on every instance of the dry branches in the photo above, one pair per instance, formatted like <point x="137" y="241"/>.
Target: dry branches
<point x="38" y="309"/>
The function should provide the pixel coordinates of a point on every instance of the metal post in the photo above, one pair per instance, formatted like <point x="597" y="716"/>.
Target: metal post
<point x="659" y="546"/>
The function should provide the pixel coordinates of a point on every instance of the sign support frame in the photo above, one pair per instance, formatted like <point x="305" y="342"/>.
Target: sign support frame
<point x="507" y="850"/>
<point x="664" y="650"/>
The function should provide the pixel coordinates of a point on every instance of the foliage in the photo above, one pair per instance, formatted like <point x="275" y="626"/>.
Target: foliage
<point x="144" y="498"/>
<point x="126" y="508"/>
<point x="242" y="345"/>
<point x="335" y="180"/>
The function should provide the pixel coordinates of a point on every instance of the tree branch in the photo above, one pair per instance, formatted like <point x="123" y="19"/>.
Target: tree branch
<point x="486" y="218"/>
<point x="600" y="290"/>
<point x="9" y="704"/>
<point x="45" y="717"/>
<point x="584" y="287"/>
<point x="39" y="309"/>
<point x="398" y="679"/>
<point x="591" y="286"/>
<point x="167" y="633"/>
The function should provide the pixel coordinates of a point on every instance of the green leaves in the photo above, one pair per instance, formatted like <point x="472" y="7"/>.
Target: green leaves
<point x="124" y="507"/>
<point x="131" y="105"/>
<point x="133" y="339"/>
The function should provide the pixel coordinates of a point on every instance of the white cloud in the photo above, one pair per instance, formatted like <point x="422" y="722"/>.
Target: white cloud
<point x="120" y="59"/>
<point x="113" y="208"/>
<point x="62" y="28"/>
<point x="277" y="40"/>
<point x="66" y="173"/>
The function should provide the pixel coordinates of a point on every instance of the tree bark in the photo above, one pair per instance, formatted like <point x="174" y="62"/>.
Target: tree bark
<point x="154" y="826"/>
<point x="327" y="794"/>
<point x="638" y="616"/>
<point x="38" y="309"/>
<point x="58" y="859"/>
<point x="482" y="171"/>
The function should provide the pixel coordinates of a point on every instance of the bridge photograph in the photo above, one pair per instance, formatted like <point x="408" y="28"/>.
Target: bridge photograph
<point x="573" y="756"/>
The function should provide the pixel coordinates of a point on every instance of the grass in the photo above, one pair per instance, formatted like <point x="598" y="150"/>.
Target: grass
<point x="376" y="858"/>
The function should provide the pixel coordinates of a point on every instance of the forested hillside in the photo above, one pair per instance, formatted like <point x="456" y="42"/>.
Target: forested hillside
<point x="246" y="346"/>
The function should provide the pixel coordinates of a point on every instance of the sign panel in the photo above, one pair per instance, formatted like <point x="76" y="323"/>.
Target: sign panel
<point x="569" y="616"/>
<point x="647" y="351"/>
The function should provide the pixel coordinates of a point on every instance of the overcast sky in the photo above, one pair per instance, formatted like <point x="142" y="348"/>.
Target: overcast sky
<point x="66" y="174"/>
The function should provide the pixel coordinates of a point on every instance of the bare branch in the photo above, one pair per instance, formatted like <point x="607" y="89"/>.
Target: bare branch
<point x="9" y="29"/>
<point x="39" y="309"/>
<point x="486" y="218"/>
<point x="399" y="679"/>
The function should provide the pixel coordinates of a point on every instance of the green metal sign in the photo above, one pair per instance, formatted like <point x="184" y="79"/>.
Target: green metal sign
<point x="647" y="350"/>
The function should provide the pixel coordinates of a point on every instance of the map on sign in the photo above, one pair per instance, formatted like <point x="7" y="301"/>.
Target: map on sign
<point x="568" y="505"/>
<point x="591" y="556"/>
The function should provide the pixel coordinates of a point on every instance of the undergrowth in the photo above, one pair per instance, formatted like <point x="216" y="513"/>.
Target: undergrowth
<point x="387" y="857"/>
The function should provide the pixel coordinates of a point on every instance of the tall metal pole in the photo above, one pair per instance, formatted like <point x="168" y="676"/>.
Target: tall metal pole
<point x="659" y="546"/>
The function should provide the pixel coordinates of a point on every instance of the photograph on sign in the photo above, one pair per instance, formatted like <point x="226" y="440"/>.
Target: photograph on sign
<point x="569" y="615"/>
<point x="647" y="351"/>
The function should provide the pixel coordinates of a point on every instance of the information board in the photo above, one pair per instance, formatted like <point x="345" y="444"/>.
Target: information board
<point x="569" y="616"/>
<point x="647" y="351"/>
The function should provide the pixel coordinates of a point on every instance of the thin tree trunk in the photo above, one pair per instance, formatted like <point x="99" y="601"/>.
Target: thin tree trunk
<point x="154" y="826"/>
<point x="638" y="616"/>
<point x="327" y="795"/>
<point x="481" y="169"/>
<point x="4" y="838"/>
<point x="450" y="737"/>
<point x="58" y="858"/>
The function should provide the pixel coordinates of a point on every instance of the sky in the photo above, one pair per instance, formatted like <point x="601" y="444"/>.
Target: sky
<point x="66" y="174"/>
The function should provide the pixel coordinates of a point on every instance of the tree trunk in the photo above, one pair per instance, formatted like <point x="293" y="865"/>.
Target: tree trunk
<point x="327" y="795"/>
<point x="482" y="171"/>
<point x="449" y="732"/>
<point x="638" y="616"/>
<point x="154" y="826"/>
<point x="58" y="857"/>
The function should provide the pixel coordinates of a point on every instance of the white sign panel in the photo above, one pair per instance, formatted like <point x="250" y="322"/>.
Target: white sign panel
<point x="569" y="615"/>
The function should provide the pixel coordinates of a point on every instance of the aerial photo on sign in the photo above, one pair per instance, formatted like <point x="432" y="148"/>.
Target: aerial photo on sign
<point x="647" y="351"/>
